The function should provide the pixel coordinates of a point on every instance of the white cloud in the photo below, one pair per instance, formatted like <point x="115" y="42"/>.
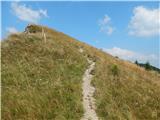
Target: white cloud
<point x="105" y="25"/>
<point x="122" y="53"/>
<point x="144" y="22"/>
<point x="27" y="14"/>
<point x="132" y="56"/>
<point x="43" y="12"/>
<point x="105" y="20"/>
<point x="11" y="30"/>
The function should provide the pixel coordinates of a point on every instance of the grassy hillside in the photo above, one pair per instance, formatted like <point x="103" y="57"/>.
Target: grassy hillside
<point x="42" y="80"/>
<point x="131" y="94"/>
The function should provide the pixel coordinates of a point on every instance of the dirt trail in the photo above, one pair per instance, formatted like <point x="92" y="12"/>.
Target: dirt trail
<point x="88" y="91"/>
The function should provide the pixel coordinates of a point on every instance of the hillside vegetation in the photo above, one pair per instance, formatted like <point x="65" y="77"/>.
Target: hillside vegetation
<point x="42" y="80"/>
<point x="147" y="66"/>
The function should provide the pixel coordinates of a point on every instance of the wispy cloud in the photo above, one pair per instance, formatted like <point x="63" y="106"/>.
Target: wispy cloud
<point x="11" y="30"/>
<point x="131" y="55"/>
<point x="27" y="14"/>
<point x="122" y="53"/>
<point x="105" y="25"/>
<point x="144" y="22"/>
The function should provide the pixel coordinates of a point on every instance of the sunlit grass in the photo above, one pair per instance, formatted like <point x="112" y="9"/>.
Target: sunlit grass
<point x="43" y="81"/>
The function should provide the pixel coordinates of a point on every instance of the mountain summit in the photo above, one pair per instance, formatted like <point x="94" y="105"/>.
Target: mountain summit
<point x="43" y="73"/>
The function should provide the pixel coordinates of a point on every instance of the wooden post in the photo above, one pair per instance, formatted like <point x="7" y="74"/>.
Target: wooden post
<point x="43" y="35"/>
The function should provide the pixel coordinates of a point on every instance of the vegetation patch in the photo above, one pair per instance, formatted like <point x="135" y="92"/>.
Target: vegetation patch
<point x="42" y="80"/>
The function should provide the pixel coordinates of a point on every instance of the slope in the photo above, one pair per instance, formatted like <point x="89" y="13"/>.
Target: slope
<point x="42" y="80"/>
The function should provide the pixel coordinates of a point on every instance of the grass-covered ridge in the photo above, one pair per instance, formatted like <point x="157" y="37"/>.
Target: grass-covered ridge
<point x="42" y="80"/>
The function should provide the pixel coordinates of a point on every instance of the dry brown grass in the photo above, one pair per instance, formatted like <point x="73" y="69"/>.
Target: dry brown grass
<point x="43" y="81"/>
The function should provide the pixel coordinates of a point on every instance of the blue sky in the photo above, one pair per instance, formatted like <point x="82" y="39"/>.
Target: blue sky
<point x="129" y="30"/>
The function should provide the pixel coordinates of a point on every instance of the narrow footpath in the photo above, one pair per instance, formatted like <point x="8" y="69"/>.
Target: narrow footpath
<point x="88" y="92"/>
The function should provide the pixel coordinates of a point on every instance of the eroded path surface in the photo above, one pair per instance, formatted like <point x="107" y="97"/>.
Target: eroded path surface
<point x="88" y="91"/>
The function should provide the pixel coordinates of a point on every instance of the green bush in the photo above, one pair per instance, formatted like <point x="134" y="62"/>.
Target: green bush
<point x="136" y="62"/>
<point x="148" y="66"/>
<point x="115" y="70"/>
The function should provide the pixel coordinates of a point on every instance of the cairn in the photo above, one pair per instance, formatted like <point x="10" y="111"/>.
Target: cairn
<point x="31" y="28"/>
<point x="27" y="31"/>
